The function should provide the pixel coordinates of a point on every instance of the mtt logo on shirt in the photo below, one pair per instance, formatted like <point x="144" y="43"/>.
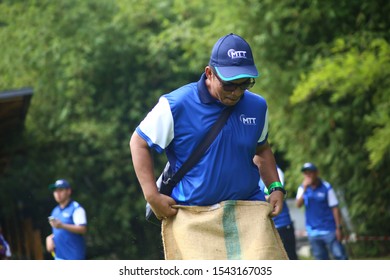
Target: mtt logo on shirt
<point x="321" y="195"/>
<point x="232" y="53"/>
<point x="65" y="215"/>
<point x="247" y="120"/>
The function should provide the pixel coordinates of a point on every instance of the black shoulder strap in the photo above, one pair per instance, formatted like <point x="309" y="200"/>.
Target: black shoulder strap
<point x="200" y="149"/>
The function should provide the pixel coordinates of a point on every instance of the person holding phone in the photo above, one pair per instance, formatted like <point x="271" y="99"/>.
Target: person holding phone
<point x="69" y="223"/>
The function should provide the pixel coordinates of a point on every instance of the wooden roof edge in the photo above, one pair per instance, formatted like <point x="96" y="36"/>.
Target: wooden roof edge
<point x="16" y="93"/>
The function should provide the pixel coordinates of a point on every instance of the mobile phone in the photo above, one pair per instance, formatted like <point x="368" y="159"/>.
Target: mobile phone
<point x="51" y="218"/>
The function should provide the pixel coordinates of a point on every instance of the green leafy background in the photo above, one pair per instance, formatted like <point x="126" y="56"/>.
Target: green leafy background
<point x="98" y="66"/>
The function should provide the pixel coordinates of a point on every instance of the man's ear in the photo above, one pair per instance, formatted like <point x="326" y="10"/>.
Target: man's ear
<point x="208" y="72"/>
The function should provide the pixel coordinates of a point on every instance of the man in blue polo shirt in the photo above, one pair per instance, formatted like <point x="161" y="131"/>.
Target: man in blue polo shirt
<point x="69" y="223"/>
<point x="181" y="119"/>
<point x="323" y="218"/>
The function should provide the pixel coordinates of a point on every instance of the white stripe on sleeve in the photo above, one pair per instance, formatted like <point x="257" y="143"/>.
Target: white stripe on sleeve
<point x="79" y="216"/>
<point x="265" y="128"/>
<point x="158" y="124"/>
<point x="332" y="199"/>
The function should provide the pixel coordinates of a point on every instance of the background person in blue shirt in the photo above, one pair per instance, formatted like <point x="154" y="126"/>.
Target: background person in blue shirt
<point x="5" y="250"/>
<point x="283" y="222"/>
<point x="69" y="223"/>
<point x="323" y="218"/>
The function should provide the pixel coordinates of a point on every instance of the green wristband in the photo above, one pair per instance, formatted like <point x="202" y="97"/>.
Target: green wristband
<point x="275" y="185"/>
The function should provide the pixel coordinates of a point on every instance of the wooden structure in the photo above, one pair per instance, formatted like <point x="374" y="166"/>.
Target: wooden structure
<point x="24" y="240"/>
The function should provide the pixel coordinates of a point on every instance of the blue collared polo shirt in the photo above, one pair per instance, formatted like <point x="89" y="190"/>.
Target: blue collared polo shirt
<point x="318" y="203"/>
<point x="178" y="123"/>
<point x="69" y="245"/>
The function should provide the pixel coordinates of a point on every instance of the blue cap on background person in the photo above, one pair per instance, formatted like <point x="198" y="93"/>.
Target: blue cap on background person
<point x="308" y="166"/>
<point x="60" y="183"/>
<point x="232" y="58"/>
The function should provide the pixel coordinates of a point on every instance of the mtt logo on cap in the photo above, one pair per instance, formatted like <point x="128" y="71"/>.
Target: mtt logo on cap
<point x="232" y="53"/>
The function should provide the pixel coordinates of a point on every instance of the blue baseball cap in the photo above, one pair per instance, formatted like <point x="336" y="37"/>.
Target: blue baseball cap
<point x="308" y="166"/>
<point x="232" y="58"/>
<point x="60" y="183"/>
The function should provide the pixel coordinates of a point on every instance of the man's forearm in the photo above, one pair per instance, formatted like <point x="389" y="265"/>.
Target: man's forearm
<point x="299" y="201"/>
<point x="337" y="216"/>
<point x="78" y="229"/>
<point x="266" y="163"/>
<point x="143" y="165"/>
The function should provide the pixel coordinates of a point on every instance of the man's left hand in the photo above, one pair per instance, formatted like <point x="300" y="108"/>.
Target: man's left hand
<point x="276" y="200"/>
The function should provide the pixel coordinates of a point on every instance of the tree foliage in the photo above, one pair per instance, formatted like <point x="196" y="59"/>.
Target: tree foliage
<point x="98" y="66"/>
<point x="327" y="80"/>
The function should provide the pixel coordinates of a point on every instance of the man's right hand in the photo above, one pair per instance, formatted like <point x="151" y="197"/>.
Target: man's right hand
<point x="307" y="181"/>
<point x="162" y="205"/>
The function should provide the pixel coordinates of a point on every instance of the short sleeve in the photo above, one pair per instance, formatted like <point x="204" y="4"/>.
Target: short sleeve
<point x="80" y="216"/>
<point x="157" y="128"/>
<point x="299" y="192"/>
<point x="332" y="198"/>
<point x="264" y="133"/>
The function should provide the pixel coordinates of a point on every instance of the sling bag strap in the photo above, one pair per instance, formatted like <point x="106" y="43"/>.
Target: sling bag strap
<point x="169" y="183"/>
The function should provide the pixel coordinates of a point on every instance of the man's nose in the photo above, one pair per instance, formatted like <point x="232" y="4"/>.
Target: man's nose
<point x="237" y="91"/>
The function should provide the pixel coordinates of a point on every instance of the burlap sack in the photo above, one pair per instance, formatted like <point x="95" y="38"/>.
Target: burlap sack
<point x="230" y="230"/>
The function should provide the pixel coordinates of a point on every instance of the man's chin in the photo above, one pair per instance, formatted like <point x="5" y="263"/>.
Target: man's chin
<point x="230" y="102"/>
